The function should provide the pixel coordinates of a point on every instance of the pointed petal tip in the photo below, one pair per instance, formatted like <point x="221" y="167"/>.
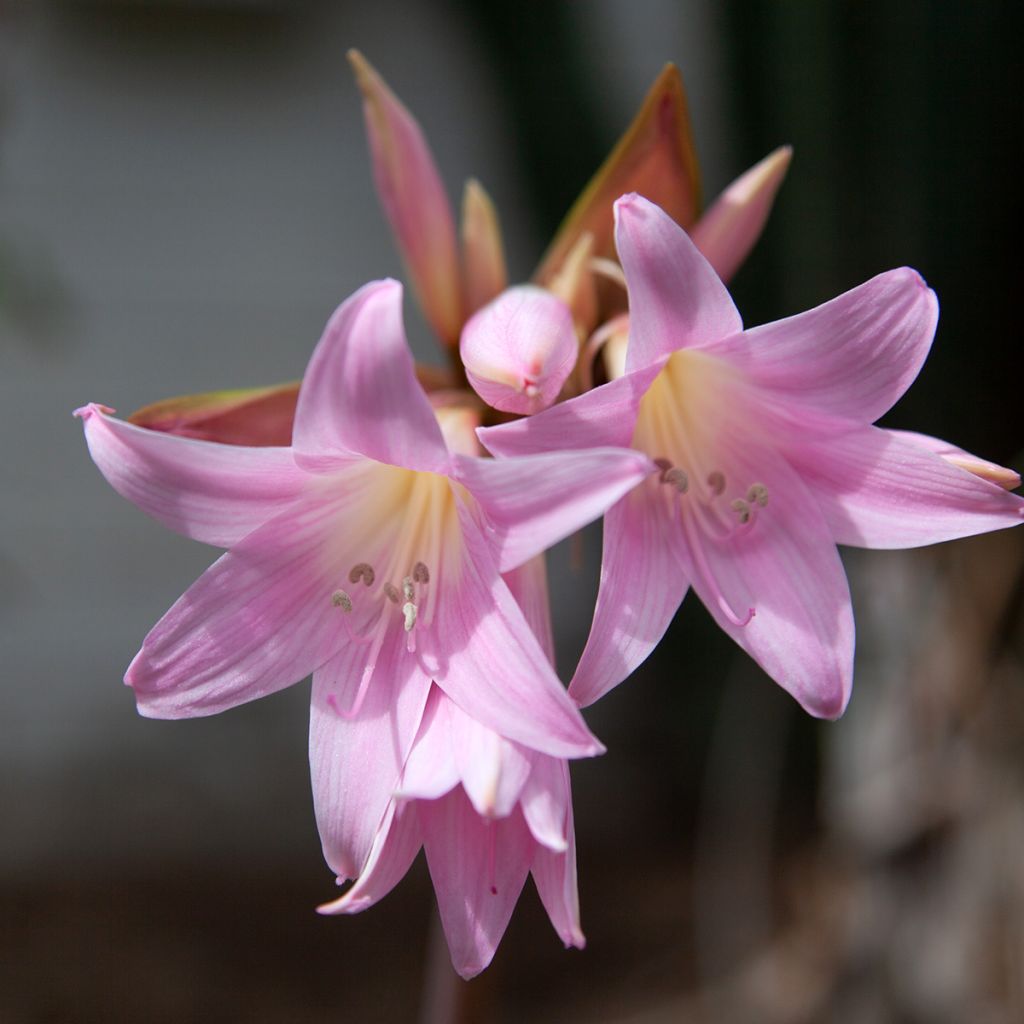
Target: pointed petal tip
<point x="84" y="412"/>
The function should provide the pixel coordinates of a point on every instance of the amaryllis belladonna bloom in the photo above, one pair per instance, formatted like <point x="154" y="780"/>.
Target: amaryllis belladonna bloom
<point x="367" y="553"/>
<point x="768" y="458"/>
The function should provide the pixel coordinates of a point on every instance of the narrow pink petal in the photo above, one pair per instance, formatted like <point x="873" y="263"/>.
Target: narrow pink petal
<point x="1008" y="479"/>
<point x="414" y="200"/>
<point x="519" y="349"/>
<point x="259" y="619"/>
<point x="394" y="849"/>
<point x="356" y="760"/>
<point x="726" y="233"/>
<point x="533" y="501"/>
<point x="642" y="586"/>
<point x="676" y="300"/>
<point x="481" y="652"/>
<point x="546" y="802"/>
<point x="430" y="770"/>
<point x="492" y="769"/>
<point x="478" y="867"/>
<point x="785" y="567"/>
<point x="360" y="393"/>
<point x="878" y="489"/>
<point x="483" y="253"/>
<point x="529" y="586"/>
<point x="215" y="493"/>
<point x="852" y="357"/>
<point x="554" y="874"/>
<point x="602" y="418"/>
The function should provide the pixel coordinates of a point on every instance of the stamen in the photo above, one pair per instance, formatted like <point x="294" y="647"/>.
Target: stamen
<point x="676" y="478"/>
<point x="664" y="465"/>
<point x="409" y="611"/>
<point x="716" y="481"/>
<point x="407" y="592"/>
<point x="758" y="493"/>
<point x="363" y="571"/>
<point x="743" y="511"/>
<point x="420" y="573"/>
<point x="391" y="593"/>
<point x="341" y="600"/>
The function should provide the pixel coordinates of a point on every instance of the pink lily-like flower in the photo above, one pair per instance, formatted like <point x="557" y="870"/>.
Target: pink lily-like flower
<point x="768" y="459"/>
<point x="488" y="812"/>
<point x="367" y="553"/>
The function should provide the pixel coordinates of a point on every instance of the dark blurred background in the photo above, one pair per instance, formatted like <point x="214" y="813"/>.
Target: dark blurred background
<point x="185" y="195"/>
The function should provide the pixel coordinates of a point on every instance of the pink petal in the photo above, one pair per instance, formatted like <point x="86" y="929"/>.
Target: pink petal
<point x="602" y="418"/>
<point x="528" y="584"/>
<point x="546" y="803"/>
<point x="355" y="762"/>
<point x="726" y="233"/>
<point x="1007" y="478"/>
<point x="642" y="585"/>
<point x="483" y="255"/>
<point x="554" y="874"/>
<point x="478" y="867"/>
<point x="394" y="849"/>
<point x="676" y="300"/>
<point x="785" y="566"/>
<point x="215" y="493"/>
<point x="430" y="770"/>
<point x="533" y="501"/>
<point x="481" y="652"/>
<point x="360" y="392"/>
<point x="259" y="619"/>
<point x="852" y="357"/>
<point x="519" y="349"/>
<point x="878" y="489"/>
<point x="414" y="200"/>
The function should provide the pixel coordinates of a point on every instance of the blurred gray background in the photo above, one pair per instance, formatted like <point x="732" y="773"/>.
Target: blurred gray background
<point x="185" y="196"/>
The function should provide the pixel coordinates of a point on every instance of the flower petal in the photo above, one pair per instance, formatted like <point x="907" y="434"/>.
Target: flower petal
<point x="1008" y="479"/>
<point x="546" y="802"/>
<point x="533" y="501"/>
<point x="642" y="586"/>
<point x="554" y="874"/>
<point x="487" y="660"/>
<point x="726" y="233"/>
<point x="655" y="157"/>
<point x="785" y="566"/>
<point x="210" y="492"/>
<point x="259" y="619"/>
<point x="519" y="349"/>
<point x="394" y="849"/>
<point x="430" y="770"/>
<point x="529" y="586"/>
<point x="483" y="255"/>
<point x="356" y="759"/>
<point x="676" y="300"/>
<point x="602" y="418"/>
<point x="414" y="200"/>
<point x="360" y="392"/>
<point x="478" y="867"/>
<point x="879" y="490"/>
<point x="849" y="358"/>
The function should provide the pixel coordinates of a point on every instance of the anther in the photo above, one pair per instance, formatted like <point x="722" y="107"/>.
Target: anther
<point x="363" y="571"/>
<point x="664" y="465"/>
<point x="407" y="592"/>
<point x="716" y="481"/>
<point x="742" y="510"/>
<point x="341" y="600"/>
<point x="391" y="593"/>
<point x="676" y="478"/>
<point x="409" y="611"/>
<point x="420" y="573"/>
<point x="758" y="493"/>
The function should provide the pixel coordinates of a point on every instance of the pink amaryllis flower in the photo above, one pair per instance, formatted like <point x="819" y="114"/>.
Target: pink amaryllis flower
<point x="487" y="811"/>
<point x="367" y="553"/>
<point x="768" y="458"/>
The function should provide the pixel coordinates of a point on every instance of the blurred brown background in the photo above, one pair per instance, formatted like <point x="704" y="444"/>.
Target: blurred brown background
<point x="185" y="196"/>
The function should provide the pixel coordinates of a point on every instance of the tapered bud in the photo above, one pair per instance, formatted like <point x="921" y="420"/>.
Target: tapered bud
<point x="484" y="276"/>
<point x="519" y="349"/>
<point x="727" y="232"/>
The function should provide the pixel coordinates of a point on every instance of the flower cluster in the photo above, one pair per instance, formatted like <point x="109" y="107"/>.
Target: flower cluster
<point x="373" y="543"/>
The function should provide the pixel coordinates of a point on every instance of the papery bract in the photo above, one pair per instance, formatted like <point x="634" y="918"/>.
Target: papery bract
<point x="767" y="458"/>
<point x="367" y="553"/>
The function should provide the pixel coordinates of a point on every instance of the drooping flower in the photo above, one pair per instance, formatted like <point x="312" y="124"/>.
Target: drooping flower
<point x="768" y="458"/>
<point x="367" y="553"/>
